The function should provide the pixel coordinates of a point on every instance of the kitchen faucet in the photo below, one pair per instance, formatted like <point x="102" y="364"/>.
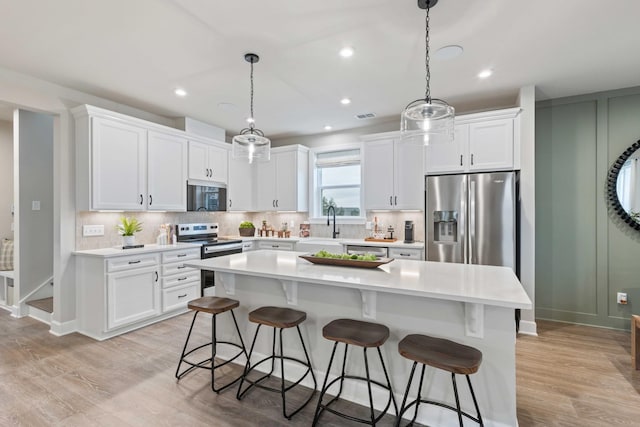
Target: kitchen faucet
<point x="329" y="209"/>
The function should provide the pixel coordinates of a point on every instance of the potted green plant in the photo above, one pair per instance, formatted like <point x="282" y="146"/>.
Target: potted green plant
<point x="127" y="228"/>
<point x="247" y="229"/>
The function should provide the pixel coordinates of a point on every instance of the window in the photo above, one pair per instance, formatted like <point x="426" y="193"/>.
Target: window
<point x="336" y="182"/>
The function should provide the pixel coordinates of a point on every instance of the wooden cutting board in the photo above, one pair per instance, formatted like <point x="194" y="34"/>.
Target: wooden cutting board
<point x="373" y="239"/>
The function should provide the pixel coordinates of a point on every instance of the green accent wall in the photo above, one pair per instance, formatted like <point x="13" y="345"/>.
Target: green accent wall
<point x="584" y="255"/>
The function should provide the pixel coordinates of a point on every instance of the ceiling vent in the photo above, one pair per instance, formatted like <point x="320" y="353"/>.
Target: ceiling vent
<point x="365" y="116"/>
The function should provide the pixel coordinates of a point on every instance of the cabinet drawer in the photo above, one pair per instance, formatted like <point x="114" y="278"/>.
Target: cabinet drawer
<point x="400" y="253"/>
<point x="180" y="279"/>
<point x="176" y="268"/>
<point x="280" y="246"/>
<point x="248" y="246"/>
<point x="182" y="255"/>
<point x="179" y="296"/>
<point x="131" y="262"/>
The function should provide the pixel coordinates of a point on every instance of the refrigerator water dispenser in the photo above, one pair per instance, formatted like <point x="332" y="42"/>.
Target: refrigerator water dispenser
<point x="445" y="226"/>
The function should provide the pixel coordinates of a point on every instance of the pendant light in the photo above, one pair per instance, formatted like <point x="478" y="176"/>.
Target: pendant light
<point x="428" y="119"/>
<point x="250" y="143"/>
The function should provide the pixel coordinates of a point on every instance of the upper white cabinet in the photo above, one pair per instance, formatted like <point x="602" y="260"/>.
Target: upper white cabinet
<point x="240" y="194"/>
<point x="482" y="142"/>
<point x="208" y="161"/>
<point x="392" y="170"/>
<point x="128" y="164"/>
<point x="282" y="182"/>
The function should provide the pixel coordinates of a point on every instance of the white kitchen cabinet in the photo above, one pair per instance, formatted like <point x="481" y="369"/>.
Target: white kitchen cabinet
<point x="166" y="172"/>
<point x="282" y="182"/>
<point x="128" y="164"/>
<point x="118" y="160"/>
<point x="482" y="142"/>
<point x="132" y="295"/>
<point x="393" y="171"/>
<point x="208" y="162"/>
<point x="240" y="190"/>
<point x="276" y="245"/>
<point x="180" y="284"/>
<point x="406" y="253"/>
<point x="248" y="245"/>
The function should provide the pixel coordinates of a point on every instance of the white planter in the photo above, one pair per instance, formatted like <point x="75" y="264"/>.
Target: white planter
<point x="128" y="240"/>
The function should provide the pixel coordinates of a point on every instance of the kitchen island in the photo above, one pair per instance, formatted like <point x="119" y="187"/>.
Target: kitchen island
<point x="472" y="305"/>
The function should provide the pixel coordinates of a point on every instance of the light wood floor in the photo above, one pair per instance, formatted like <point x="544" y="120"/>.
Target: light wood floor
<point x="568" y="376"/>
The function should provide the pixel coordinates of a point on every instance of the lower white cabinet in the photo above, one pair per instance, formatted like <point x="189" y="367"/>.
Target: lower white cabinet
<point x="402" y="253"/>
<point x="248" y="245"/>
<point x="132" y="295"/>
<point x="117" y="294"/>
<point x="276" y="245"/>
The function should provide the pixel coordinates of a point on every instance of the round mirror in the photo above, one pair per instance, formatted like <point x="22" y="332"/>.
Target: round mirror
<point x="623" y="186"/>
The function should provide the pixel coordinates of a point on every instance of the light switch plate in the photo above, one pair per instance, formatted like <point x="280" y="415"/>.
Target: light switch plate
<point x="92" y="230"/>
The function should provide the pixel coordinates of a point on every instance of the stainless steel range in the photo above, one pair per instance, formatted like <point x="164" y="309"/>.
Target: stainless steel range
<point x="206" y="234"/>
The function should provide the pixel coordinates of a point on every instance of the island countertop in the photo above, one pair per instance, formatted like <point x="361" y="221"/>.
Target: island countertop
<point x="477" y="284"/>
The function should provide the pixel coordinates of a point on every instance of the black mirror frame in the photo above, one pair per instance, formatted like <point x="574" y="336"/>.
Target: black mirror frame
<point x="612" y="186"/>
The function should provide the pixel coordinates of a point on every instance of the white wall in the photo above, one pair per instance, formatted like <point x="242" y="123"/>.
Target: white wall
<point x="6" y="178"/>
<point x="34" y="236"/>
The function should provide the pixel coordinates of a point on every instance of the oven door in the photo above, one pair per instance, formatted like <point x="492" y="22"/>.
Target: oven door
<point x="210" y="251"/>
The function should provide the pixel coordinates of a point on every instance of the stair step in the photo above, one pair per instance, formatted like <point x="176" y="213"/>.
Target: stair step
<point x="45" y="304"/>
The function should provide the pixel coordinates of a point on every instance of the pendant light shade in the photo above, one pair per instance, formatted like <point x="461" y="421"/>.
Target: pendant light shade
<point x="250" y="143"/>
<point x="427" y="119"/>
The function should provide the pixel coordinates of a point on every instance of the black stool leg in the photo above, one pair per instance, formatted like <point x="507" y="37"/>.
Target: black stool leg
<point x="455" y="392"/>
<point x="386" y="375"/>
<point x="184" y="349"/>
<point x="240" y="393"/>
<point x="366" y="369"/>
<point x="319" y="406"/>
<point x="475" y="402"/>
<point x="406" y="394"/>
<point x="284" y="401"/>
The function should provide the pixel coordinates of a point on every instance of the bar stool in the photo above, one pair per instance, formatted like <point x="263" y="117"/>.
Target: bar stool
<point x="442" y="354"/>
<point x="278" y="318"/>
<point x="214" y="306"/>
<point x="361" y="334"/>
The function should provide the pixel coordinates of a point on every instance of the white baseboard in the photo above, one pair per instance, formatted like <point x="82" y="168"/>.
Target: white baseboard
<point x="41" y="315"/>
<point x="63" y="328"/>
<point x="528" y="328"/>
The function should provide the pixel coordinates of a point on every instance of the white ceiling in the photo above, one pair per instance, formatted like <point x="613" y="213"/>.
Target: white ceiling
<point x="137" y="51"/>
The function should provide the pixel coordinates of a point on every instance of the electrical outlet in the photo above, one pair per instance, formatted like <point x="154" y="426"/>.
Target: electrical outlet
<point x="622" y="298"/>
<point x="92" y="230"/>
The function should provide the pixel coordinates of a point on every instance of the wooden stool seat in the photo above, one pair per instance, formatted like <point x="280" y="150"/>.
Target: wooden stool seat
<point x="356" y="332"/>
<point x="213" y="305"/>
<point x="277" y="317"/>
<point x="441" y="353"/>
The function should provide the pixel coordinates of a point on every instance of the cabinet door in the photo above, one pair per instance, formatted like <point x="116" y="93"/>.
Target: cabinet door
<point x="491" y="145"/>
<point x="409" y="175"/>
<point x="198" y="161"/>
<point x="286" y="181"/>
<point x="266" y="185"/>
<point x="378" y="174"/>
<point x="448" y="156"/>
<point x="218" y="164"/>
<point x="166" y="172"/>
<point x="240" y="188"/>
<point x="119" y="168"/>
<point x="132" y="295"/>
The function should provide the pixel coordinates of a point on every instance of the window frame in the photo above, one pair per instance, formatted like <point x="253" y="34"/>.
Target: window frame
<point x="315" y="189"/>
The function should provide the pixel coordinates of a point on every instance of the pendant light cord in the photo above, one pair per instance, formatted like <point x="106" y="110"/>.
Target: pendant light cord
<point x="427" y="95"/>
<point x="252" y="124"/>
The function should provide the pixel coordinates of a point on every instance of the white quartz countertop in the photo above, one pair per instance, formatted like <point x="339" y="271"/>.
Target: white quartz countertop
<point x="496" y="286"/>
<point x="118" y="251"/>
<point x="360" y="242"/>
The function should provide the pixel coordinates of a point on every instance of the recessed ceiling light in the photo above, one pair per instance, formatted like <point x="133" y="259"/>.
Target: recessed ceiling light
<point x="180" y="92"/>
<point x="448" y="52"/>
<point x="485" y="73"/>
<point x="327" y="127"/>
<point x="345" y="101"/>
<point x="346" y="52"/>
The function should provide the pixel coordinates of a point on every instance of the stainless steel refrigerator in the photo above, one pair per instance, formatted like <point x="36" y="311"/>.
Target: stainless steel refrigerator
<point x="472" y="218"/>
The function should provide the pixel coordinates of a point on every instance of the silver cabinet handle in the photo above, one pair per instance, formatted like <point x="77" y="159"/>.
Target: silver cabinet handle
<point x="134" y="262"/>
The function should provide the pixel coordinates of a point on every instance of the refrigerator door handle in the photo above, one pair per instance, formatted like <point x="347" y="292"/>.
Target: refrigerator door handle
<point x="472" y="220"/>
<point x="464" y="217"/>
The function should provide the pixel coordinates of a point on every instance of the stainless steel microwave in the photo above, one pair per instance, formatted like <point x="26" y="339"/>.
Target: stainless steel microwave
<point x="206" y="198"/>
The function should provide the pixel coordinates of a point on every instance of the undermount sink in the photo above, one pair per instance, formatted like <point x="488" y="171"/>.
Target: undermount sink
<point x="314" y="245"/>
